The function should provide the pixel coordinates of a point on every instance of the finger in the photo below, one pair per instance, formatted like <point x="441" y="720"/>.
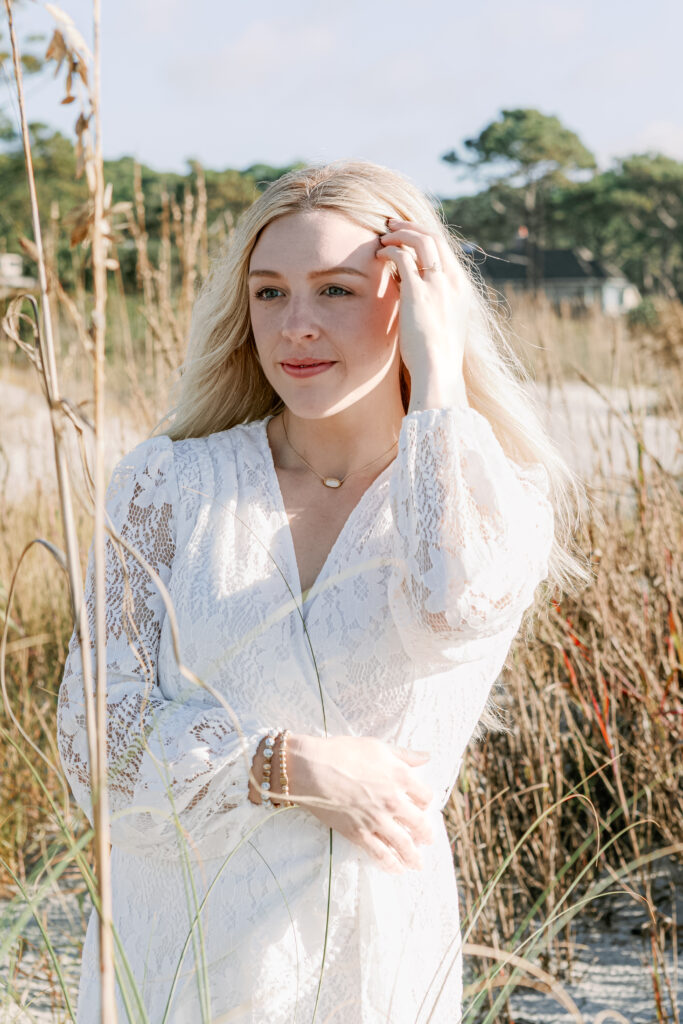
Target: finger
<point x="380" y="852"/>
<point x="401" y="843"/>
<point x="444" y="249"/>
<point x="416" y="822"/>
<point x="394" y="224"/>
<point x="447" y="258"/>
<point x="406" y="265"/>
<point x="424" y="245"/>
<point x="420" y="795"/>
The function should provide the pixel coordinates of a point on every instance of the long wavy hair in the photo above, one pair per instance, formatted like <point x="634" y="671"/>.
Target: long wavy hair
<point x="222" y="383"/>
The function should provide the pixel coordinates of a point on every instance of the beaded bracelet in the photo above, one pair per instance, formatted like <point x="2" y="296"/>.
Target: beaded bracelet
<point x="284" y="778"/>
<point x="268" y="752"/>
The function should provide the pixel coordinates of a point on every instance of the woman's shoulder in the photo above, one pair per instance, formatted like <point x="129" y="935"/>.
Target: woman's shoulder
<point x="191" y="462"/>
<point x="144" y="476"/>
<point x="149" y="458"/>
<point x="217" y="462"/>
<point x="245" y="439"/>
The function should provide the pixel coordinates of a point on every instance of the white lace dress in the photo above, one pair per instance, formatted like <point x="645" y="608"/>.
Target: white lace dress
<point x="225" y="911"/>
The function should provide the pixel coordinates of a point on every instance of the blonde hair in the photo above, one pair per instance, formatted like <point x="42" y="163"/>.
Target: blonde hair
<point x="222" y="383"/>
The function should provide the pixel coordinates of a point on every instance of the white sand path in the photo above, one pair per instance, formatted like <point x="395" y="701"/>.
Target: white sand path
<point x="588" y="433"/>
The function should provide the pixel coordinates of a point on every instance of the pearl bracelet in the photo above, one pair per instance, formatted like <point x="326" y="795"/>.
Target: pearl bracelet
<point x="268" y="752"/>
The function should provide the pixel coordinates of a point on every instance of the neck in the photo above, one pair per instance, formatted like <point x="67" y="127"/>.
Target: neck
<point x="337" y="445"/>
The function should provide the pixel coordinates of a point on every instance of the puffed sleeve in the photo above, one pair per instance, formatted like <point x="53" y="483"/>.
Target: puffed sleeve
<point x="472" y="534"/>
<point x="176" y="768"/>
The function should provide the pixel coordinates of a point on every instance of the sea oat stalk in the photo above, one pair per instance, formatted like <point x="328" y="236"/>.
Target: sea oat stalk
<point x="96" y="725"/>
<point x="102" y="832"/>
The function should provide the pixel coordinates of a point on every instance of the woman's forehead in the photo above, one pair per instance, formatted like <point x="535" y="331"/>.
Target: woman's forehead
<point x="323" y="224"/>
<point x="312" y="236"/>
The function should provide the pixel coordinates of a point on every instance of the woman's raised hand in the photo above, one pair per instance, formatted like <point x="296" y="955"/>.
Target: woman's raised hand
<point x="434" y="309"/>
<point x="366" y="790"/>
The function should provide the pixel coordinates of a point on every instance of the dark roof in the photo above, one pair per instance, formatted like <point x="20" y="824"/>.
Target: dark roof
<point x="553" y="264"/>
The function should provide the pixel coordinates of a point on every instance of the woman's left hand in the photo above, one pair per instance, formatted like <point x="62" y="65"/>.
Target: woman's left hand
<point x="434" y="309"/>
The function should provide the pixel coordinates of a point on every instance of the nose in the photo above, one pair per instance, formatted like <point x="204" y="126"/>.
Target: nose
<point x="299" y="321"/>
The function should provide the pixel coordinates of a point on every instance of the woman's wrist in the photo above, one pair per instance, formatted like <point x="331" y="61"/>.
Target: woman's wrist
<point x="433" y="390"/>
<point x="256" y="774"/>
<point x="298" y="752"/>
<point x="299" y="763"/>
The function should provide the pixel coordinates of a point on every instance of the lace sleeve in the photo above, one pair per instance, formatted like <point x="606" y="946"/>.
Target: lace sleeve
<point x="473" y="532"/>
<point x="174" y="767"/>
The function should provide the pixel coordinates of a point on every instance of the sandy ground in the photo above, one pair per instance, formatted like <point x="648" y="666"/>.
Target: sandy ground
<point x="584" y="426"/>
<point x="610" y="977"/>
<point x="26" y="448"/>
<point x="591" y="431"/>
<point x="612" y="959"/>
<point x="29" y="985"/>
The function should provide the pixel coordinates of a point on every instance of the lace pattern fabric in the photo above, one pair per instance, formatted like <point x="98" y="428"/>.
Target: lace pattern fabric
<point x="179" y="764"/>
<point x="401" y="637"/>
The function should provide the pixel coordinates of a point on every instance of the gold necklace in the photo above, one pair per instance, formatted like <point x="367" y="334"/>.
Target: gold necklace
<point x="332" y="481"/>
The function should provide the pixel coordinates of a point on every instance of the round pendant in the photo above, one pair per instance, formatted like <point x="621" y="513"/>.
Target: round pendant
<point x="332" y="481"/>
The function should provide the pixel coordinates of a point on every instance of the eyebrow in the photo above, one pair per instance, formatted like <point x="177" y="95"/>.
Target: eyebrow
<point x="313" y="274"/>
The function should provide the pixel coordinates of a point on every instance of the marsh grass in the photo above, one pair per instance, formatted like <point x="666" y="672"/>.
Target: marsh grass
<point x="594" y="710"/>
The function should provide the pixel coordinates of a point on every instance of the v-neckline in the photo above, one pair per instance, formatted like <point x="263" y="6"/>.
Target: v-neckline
<point x="312" y="591"/>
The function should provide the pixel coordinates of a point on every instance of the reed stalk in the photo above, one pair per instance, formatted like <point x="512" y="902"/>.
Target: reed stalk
<point x="45" y="359"/>
<point x="101" y="814"/>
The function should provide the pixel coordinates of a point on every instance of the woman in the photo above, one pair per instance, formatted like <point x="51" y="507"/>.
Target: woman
<point x="351" y="511"/>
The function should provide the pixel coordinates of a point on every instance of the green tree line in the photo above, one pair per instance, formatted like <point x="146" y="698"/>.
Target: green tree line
<point x="228" y="192"/>
<point x="533" y="173"/>
<point x="537" y="174"/>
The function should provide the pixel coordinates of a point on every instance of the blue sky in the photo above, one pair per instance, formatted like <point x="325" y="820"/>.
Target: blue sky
<point x="399" y="82"/>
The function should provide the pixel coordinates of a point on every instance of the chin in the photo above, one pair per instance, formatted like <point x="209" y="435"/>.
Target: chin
<point x="311" y="410"/>
<point x="315" y="400"/>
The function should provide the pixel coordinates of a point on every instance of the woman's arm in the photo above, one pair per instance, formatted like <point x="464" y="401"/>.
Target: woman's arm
<point x="473" y="532"/>
<point x="175" y="768"/>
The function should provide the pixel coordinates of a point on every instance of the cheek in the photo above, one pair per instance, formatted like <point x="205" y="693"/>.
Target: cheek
<point x="261" y="323"/>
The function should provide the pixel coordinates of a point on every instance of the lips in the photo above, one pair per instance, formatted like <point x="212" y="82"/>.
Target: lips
<point x="306" y="362"/>
<point x="306" y="367"/>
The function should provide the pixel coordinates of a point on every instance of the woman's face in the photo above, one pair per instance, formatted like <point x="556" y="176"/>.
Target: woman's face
<point x="303" y="310"/>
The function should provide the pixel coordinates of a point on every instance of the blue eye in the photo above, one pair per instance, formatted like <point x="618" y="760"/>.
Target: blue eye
<point x="264" y="298"/>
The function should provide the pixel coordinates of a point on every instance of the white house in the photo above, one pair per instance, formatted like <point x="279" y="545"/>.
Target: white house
<point x="12" y="279"/>
<point x="565" y="275"/>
